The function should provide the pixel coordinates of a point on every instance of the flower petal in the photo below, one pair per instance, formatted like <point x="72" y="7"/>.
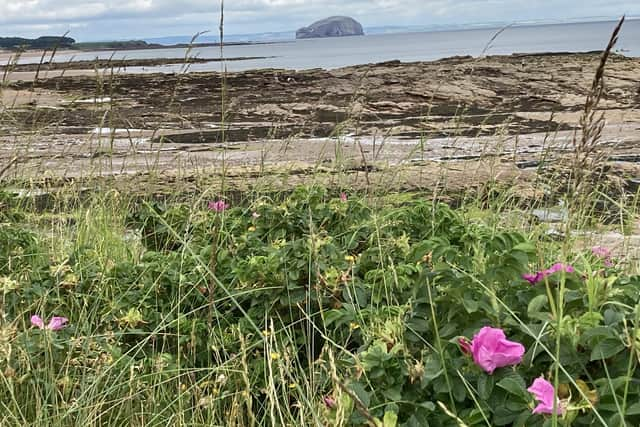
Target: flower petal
<point x="37" y="321"/>
<point x="491" y="350"/>
<point x="545" y="394"/>
<point x="57" y="323"/>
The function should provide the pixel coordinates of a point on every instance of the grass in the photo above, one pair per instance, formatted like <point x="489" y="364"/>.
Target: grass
<point x="297" y="307"/>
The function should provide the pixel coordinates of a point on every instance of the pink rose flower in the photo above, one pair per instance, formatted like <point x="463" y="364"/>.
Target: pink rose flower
<point x="465" y="345"/>
<point x="37" y="321"/>
<point x="545" y="394"/>
<point x="555" y="268"/>
<point x="601" y="251"/>
<point x="604" y="254"/>
<point x="533" y="278"/>
<point x="218" y="205"/>
<point x="55" y="324"/>
<point x="539" y="276"/>
<point x="329" y="402"/>
<point x="491" y="350"/>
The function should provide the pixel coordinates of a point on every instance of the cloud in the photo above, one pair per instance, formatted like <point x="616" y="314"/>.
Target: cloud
<point x="102" y="19"/>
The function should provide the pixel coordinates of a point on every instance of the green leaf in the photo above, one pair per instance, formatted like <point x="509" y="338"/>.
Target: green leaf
<point x="470" y="304"/>
<point x="525" y="247"/>
<point x="362" y="394"/>
<point x="502" y="416"/>
<point x="485" y="386"/>
<point x="432" y="368"/>
<point x="513" y="384"/>
<point x="607" y="348"/>
<point x="536" y="305"/>
<point x="633" y="409"/>
<point x="390" y="419"/>
<point x="522" y="419"/>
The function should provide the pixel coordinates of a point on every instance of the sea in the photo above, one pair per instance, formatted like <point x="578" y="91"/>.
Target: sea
<point x="330" y="53"/>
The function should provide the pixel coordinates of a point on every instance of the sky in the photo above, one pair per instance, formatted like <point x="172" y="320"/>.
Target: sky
<point x="89" y="20"/>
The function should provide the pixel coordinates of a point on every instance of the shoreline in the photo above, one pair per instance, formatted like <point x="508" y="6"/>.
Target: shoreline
<point x="460" y="108"/>
<point x="27" y="72"/>
<point x="120" y="64"/>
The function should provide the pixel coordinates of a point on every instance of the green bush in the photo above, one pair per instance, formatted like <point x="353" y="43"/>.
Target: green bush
<point x="340" y="311"/>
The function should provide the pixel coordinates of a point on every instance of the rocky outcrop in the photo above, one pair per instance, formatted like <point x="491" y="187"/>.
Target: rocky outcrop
<point x="335" y="26"/>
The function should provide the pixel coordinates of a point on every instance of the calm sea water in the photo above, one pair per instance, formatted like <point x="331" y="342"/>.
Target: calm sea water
<point x="339" y="52"/>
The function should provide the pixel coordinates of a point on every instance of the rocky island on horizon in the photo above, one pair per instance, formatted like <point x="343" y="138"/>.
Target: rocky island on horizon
<point x="334" y="26"/>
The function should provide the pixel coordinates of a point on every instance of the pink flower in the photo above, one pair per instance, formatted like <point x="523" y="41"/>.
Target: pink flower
<point x="601" y="251"/>
<point x="255" y="215"/>
<point x="533" y="278"/>
<point x="604" y="254"/>
<point x="555" y="268"/>
<point x="545" y="394"/>
<point x="491" y="350"/>
<point x="343" y="197"/>
<point x="37" y="321"/>
<point x="55" y="324"/>
<point x="465" y="345"/>
<point x="539" y="276"/>
<point x="329" y="402"/>
<point x="218" y="205"/>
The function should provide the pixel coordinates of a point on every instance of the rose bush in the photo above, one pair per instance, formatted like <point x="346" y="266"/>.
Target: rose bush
<point x="332" y="306"/>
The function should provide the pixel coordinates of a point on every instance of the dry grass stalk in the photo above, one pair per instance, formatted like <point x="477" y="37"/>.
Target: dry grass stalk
<point x="586" y="153"/>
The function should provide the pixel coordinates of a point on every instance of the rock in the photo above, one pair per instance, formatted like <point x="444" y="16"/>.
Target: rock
<point x="556" y="214"/>
<point x="335" y="26"/>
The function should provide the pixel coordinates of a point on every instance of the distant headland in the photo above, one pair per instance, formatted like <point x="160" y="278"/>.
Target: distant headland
<point x="56" y="42"/>
<point x="334" y="26"/>
<point x="44" y="42"/>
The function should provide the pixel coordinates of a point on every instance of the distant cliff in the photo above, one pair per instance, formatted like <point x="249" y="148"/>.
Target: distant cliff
<point x="335" y="26"/>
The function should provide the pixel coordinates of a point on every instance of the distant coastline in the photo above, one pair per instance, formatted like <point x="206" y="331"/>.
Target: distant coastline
<point x="178" y="42"/>
<point x="122" y="46"/>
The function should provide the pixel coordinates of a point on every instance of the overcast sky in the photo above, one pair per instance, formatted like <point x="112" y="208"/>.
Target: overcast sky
<point x="124" y="19"/>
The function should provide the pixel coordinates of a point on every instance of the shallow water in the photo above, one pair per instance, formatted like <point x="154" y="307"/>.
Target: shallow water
<point x="340" y="52"/>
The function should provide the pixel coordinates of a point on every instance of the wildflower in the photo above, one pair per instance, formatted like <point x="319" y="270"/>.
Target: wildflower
<point x="465" y="345"/>
<point x="545" y="394"/>
<point x="55" y="324"/>
<point x="350" y="258"/>
<point x="329" y="402"/>
<point x="539" y="276"/>
<point x="604" y="254"/>
<point x="251" y="229"/>
<point x="534" y="278"/>
<point x="255" y="215"/>
<point x="343" y="197"/>
<point x="275" y="356"/>
<point x="558" y="267"/>
<point x="491" y="349"/>
<point x="353" y="326"/>
<point x="601" y="251"/>
<point x="218" y="205"/>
